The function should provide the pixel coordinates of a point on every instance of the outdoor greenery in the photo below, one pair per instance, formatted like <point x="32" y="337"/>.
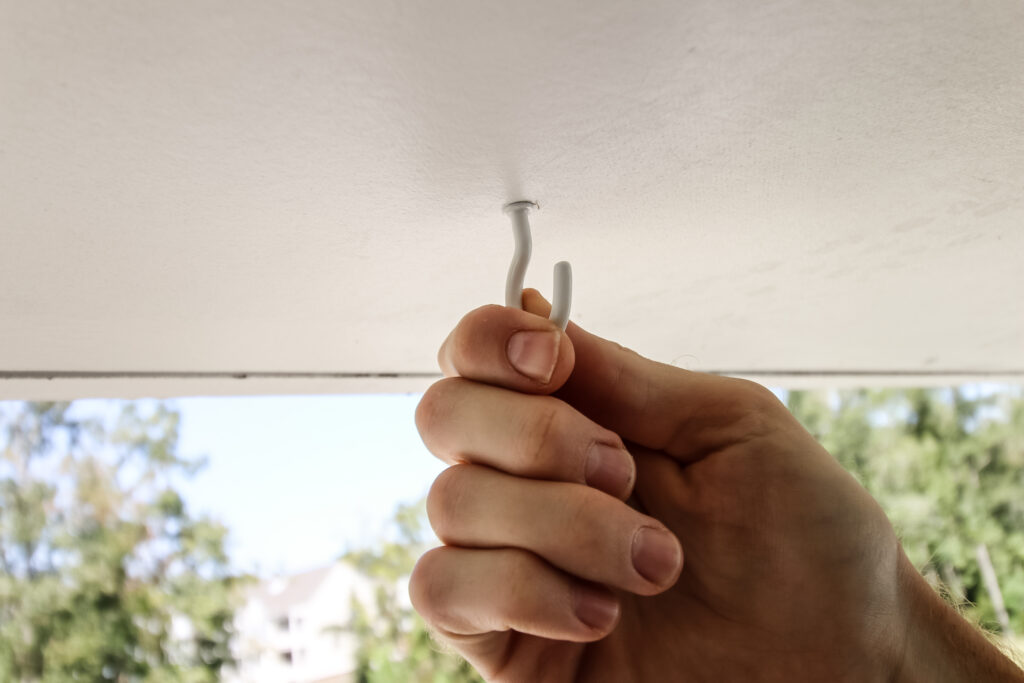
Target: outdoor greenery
<point x="394" y="643"/>
<point x="104" y="574"/>
<point x="947" y="465"/>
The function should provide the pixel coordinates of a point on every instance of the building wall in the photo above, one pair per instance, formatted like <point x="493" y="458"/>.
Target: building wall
<point x="299" y="642"/>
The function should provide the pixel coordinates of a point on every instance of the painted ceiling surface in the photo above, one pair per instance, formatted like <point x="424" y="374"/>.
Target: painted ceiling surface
<point x="309" y="194"/>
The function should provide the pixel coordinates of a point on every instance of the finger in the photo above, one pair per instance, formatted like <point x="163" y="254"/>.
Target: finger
<point x="463" y="592"/>
<point x="509" y="348"/>
<point x="531" y="436"/>
<point x="686" y="414"/>
<point x="473" y="599"/>
<point x="576" y="528"/>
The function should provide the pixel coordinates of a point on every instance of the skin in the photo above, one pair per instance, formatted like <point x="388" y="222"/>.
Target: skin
<point x="792" y="572"/>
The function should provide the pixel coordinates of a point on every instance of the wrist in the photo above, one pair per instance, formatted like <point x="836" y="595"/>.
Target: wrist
<point x="939" y="644"/>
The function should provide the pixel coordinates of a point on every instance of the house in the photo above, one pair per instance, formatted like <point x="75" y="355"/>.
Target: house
<point x="292" y="629"/>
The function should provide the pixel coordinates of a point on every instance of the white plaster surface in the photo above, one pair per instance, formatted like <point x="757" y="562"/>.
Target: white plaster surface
<point x="312" y="190"/>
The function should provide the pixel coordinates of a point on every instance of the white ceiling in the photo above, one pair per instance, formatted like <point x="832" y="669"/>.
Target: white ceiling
<point x="309" y="194"/>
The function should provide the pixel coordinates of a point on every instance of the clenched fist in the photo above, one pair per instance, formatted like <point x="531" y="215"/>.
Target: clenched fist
<point x="609" y="518"/>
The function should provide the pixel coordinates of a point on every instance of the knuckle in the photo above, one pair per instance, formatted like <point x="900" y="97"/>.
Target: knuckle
<point x="519" y="574"/>
<point x="444" y="499"/>
<point x="520" y="568"/>
<point x="435" y="406"/>
<point x="760" y="407"/>
<point x="536" y="434"/>
<point x="464" y="342"/>
<point x="428" y="585"/>
<point x="626" y="350"/>
<point x="486" y="313"/>
<point x="586" y="516"/>
<point x="752" y="394"/>
<point x="426" y="411"/>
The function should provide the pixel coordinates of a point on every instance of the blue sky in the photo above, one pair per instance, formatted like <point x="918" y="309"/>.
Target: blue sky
<point x="298" y="479"/>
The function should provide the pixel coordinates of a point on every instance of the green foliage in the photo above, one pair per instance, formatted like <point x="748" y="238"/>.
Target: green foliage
<point x="947" y="465"/>
<point x="395" y="645"/>
<point x="104" y="575"/>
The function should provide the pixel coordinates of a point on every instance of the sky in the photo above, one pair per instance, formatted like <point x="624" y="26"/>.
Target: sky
<point x="299" y="479"/>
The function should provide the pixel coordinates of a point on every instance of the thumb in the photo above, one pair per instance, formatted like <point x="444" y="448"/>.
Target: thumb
<point x="683" y="413"/>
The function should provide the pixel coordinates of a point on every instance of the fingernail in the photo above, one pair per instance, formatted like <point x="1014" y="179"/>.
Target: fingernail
<point x="595" y="608"/>
<point x="609" y="469"/>
<point x="534" y="353"/>
<point x="656" y="554"/>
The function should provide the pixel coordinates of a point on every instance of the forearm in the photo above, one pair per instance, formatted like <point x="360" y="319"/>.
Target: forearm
<point x="943" y="646"/>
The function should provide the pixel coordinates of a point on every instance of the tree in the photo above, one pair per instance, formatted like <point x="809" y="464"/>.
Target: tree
<point x="947" y="465"/>
<point x="104" y="574"/>
<point x="395" y="645"/>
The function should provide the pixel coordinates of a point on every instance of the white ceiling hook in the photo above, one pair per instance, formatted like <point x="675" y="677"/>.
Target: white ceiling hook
<point x="562" y="299"/>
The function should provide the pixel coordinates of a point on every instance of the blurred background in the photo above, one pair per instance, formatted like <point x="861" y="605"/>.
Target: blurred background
<point x="233" y="236"/>
<point x="271" y="539"/>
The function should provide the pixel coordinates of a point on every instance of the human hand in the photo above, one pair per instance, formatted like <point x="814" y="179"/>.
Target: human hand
<point x="554" y="569"/>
